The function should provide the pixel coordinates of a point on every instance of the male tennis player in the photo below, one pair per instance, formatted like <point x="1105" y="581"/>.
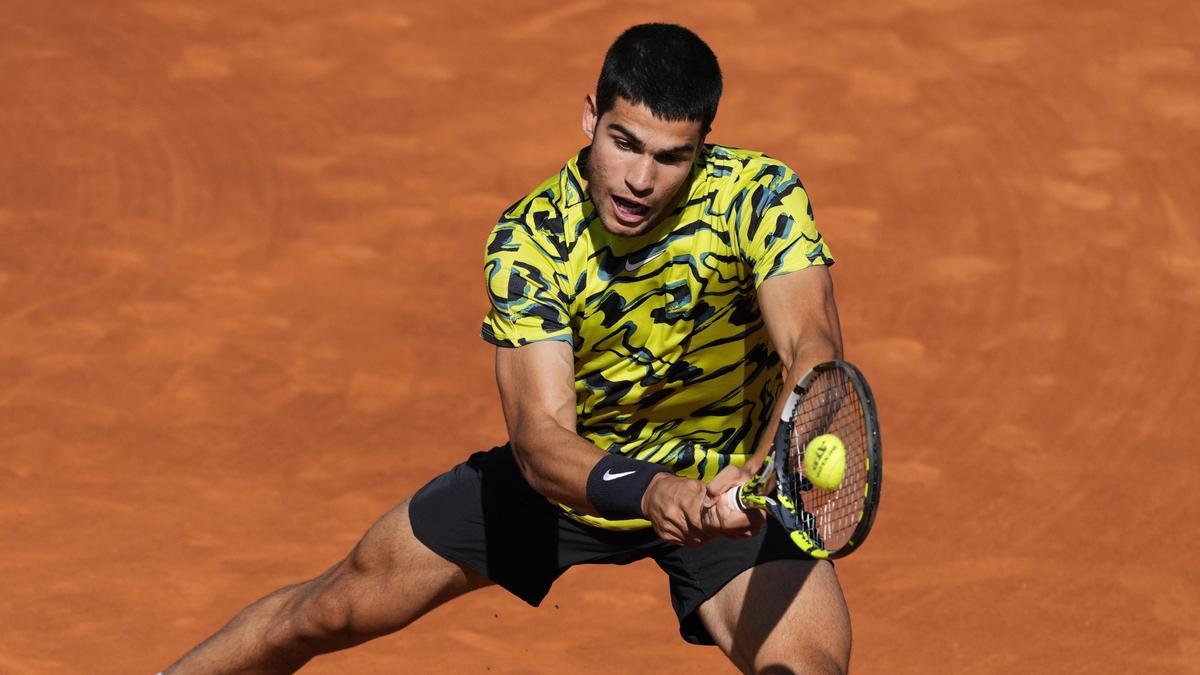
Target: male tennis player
<point x="649" y="302"/>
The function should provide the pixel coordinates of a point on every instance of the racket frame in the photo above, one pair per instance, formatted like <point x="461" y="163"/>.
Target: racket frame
<point x="752" y="494"/>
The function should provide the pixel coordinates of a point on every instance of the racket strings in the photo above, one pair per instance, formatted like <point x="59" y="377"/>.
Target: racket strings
<point x="831" y="406"/>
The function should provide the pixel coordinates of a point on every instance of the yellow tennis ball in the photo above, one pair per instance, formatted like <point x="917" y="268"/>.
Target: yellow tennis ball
<point x="825" y="461"/>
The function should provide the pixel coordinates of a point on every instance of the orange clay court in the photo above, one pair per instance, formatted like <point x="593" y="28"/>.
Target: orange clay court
<point x="240" y="297"/>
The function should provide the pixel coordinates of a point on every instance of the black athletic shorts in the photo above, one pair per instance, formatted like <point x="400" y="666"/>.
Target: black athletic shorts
<point x="483" y="514"/>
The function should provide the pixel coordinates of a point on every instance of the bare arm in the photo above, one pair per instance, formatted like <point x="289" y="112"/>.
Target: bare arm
<point x="802" y="321"/>
<point x="537" y="392"/>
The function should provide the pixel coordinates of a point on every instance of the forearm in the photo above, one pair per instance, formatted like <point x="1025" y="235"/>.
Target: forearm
<point x="537" y="391"/>
<point x="556" y="462"/>
<point x="796" y="360"/>
<point x="802" y="320"/>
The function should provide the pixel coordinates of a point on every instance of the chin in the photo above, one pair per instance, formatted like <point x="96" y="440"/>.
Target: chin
<point x="623" y="231"/>
<point x="614" y="226"/>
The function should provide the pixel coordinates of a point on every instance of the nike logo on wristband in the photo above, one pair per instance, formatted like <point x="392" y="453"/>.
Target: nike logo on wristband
<point x="609" y="475"/>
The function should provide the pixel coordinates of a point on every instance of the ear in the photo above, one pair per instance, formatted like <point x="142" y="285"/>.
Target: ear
<point x="589" y="116"/>
<point x="700" y="146"/>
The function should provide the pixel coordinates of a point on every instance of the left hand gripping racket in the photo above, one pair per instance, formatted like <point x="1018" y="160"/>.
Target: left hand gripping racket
<point x="832" y="398"/>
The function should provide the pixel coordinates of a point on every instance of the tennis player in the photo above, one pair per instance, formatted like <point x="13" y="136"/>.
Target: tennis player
<point x="648" y="304"/>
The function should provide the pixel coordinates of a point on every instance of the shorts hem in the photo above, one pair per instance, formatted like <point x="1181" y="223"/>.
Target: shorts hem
<point x="533" y="599"/>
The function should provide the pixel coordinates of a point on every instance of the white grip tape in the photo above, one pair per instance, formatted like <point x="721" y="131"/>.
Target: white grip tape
<point x="733" y="498"/>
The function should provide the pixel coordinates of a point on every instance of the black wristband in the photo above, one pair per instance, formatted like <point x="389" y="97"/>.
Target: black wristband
<point x="616" y="485"/>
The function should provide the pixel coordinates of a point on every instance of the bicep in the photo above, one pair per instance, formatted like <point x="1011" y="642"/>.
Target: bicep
<point x="537" y="387"/>
<point x="801" y="316"/>
<point x="537" y="392"/>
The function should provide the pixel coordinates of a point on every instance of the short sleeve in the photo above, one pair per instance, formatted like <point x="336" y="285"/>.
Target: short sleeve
<point x="525" y="284"/>
<point x="777" y="232"/>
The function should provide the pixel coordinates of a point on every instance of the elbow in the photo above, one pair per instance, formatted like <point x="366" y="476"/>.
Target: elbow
<point x="810" y="351"/>
<point x="523" y="453"/>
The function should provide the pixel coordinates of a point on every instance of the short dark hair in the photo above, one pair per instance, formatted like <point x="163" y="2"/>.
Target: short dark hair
<point x="664" y="66"/>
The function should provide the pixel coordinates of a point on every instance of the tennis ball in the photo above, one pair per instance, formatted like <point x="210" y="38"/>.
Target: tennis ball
<point x="825" y="461"/>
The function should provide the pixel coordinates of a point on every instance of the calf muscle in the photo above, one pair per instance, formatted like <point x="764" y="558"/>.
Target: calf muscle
<point x="388" y="581"/>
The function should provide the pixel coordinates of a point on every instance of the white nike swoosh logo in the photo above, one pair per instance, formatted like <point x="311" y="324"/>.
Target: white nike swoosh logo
<point x="631" y="265"/>
<point x="609" y="475"/>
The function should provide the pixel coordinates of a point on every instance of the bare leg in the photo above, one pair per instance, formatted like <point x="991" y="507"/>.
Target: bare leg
<point x="388" y="581"/>
<point x="785" y="616"/>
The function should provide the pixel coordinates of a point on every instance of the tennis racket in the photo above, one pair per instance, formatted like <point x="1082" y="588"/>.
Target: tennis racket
<point x="832" y="398"/>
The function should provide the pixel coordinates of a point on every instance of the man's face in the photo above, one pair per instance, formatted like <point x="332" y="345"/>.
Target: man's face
<point x="637" y="164"/>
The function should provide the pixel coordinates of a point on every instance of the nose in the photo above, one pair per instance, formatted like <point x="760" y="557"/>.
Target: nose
<point x="640" y="177"/>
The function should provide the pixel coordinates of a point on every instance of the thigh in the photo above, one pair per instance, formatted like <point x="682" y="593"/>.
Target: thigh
<point x="782" y="616"/>
<point x="388" y="580"/>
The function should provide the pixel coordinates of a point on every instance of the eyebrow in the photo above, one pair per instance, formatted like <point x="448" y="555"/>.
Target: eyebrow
<point x="686" y="147"/>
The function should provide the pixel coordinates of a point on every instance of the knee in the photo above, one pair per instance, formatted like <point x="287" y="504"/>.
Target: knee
<point x="311" y="623"/>
<point x="325" y="615"/>
<point x="319" y="614"/>
<point x="811" y="663"/>
<point x="801" y="652"/>
<point x="814" y="660"/>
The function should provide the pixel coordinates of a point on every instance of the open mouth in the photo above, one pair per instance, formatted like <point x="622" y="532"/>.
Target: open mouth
<point x="629" y="212"/>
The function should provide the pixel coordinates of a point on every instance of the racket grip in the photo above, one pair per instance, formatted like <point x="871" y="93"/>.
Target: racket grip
<point x="734" y="498"/>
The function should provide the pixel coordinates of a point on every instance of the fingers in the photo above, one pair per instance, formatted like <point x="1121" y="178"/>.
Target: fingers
<point x="689" y="513"/>
<point x="711" y="521"/>
<point x="726" y="518"/>
<point x="676" y="529"/>
<point x="698" y="534"/>
<point x="726" y="478"/>
<point x="674" y="506"/>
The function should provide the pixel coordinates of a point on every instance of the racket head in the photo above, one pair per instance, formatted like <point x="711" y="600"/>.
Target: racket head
<point x="832" y="398"/>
